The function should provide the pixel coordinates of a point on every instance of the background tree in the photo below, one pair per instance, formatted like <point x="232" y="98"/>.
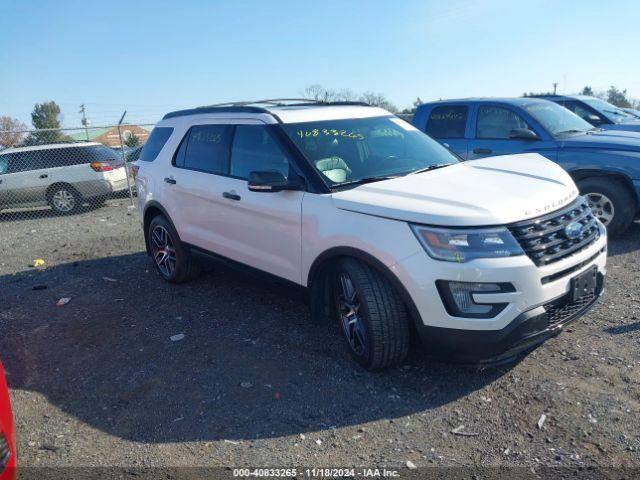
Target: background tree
<point x="46" y="117"/>
<point x="321" y="94"/>
<point x="10" y="131"/>
<point x="132" y="140"/>
<point x="417" y="102"/>
<point x="587" y="90"/>
<point x="617" y="97"/>
<point x="378" y="100"/>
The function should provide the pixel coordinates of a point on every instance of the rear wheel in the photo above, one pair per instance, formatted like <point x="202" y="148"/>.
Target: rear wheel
<point x="172" y="259"/>
<point x="610" y="202"/>
<point x="64" y="199"/>
<point x="371" y="315"/>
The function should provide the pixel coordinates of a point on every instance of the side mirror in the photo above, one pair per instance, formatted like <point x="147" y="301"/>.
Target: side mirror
<point x="593" y="119"/>
<point x="523" y="134"/>
<point x="271" y="181"/>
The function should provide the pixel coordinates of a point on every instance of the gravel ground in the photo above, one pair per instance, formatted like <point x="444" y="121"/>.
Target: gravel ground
<point x="99" y="382"/>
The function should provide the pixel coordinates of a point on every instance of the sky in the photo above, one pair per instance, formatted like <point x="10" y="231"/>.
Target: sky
<point x="153" y="56"/>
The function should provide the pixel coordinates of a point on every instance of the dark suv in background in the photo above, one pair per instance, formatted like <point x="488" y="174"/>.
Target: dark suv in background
<point x="597" y="112"/>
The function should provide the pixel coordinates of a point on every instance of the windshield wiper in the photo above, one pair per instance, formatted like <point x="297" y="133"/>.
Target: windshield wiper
<point x="364" y="180"/>
<point x="573" y="130"/>
<point x="430" y="167"/>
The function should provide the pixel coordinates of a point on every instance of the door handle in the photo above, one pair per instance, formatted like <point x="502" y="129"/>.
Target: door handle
<point x="44" y="175"/>
<point x="482" y="151"/>
<point x="231" y="196"/>
<point x="169" y="180"/>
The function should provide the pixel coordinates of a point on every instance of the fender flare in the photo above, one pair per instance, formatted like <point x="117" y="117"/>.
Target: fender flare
<point x="337" y="252"/>
<point x="153" y="204"/>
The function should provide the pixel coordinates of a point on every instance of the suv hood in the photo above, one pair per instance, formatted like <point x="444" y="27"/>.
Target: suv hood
<point x="488" y="191"/>
<point x="629" y="125"/>
<point x="604" y="139"/>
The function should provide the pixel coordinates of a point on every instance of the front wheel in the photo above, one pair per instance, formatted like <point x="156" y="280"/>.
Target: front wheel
<point x="610" y="202"/>
<point x="172" y="259"/>
<point x="372" y="318"/>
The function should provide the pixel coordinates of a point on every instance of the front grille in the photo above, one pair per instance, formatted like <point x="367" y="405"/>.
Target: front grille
<point x="545" y="240"/>
<point x="564" y="309"/>
<point x="5" y="452"/>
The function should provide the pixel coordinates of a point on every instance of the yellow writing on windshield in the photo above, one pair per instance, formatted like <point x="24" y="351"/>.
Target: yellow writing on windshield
<point x="329" y="132"/>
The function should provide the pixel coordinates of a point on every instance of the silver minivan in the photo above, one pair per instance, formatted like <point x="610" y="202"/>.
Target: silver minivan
<point x="62" y="176"/>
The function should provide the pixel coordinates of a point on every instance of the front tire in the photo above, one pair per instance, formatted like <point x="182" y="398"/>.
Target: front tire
<point x="172" y="259"/>
<point x="610" y="202"/>
<point x="372" y="317"/>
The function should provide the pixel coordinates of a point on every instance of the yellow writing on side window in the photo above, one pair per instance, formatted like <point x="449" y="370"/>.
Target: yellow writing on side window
<point x="329" y="132"/>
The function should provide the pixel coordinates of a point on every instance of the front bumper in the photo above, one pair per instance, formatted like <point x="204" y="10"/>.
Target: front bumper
<point x="534" y="310"/>
<point x="526" y="331"/>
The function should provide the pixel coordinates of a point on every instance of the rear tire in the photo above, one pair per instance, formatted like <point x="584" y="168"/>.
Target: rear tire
<point x="372" y="317"/>
<point x="172" y="259"/>
<point x="610" y="201"/>
<point x="64" y="199"/>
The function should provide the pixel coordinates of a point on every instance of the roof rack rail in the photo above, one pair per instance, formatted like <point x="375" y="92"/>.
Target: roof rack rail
<point x="254" y="106"/>
<point x="281" y="102"/>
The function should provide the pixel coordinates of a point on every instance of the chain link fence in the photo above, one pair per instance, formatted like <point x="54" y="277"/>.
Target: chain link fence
<point x="67" y="171"/>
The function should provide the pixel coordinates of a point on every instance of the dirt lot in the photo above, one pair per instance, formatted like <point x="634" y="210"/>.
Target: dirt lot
<point x="99" y="382"/>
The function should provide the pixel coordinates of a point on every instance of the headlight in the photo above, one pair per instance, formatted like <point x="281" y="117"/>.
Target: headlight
<point x="463" y="245"/>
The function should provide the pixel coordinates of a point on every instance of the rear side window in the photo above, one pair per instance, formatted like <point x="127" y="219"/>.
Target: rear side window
<point x="448" y="121"/>
<point x="498" y="123"/>
<point x="65" y="157"/>
<point x="155" y="142"/>
<point x="206" y="148"/>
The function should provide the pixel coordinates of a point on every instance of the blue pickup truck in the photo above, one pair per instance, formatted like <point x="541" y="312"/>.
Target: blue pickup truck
<point x="605" y="164"/>
<point x="597" y="112"/>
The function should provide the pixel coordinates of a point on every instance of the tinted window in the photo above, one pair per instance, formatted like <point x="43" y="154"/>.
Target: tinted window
<point x="65" y="157"/>
<point x="4" y="164"/>
<point x="207" y="148"/>
<point x="255" y="149"/>
<point x="447" y="121"/>
<point x="581" y="110"/>
<point x="555" y="119"/>
<point x="25" y="161"/>
<point x="497" y="122"/>
<point x="155" y="142"/>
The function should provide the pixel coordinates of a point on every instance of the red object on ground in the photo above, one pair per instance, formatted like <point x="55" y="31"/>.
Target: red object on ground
<point x="8" y="460"/>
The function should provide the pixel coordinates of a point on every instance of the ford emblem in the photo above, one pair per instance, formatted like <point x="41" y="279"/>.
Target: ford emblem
<point x="573" y="230"/>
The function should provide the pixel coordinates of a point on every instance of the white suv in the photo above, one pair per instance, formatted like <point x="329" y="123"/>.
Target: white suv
<point x="386" y="229"/>
<point x="63" y="176"/>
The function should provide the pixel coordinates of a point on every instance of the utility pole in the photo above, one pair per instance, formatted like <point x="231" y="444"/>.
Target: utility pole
<point x="85" y="121"/>
<point x="555" y="86"/>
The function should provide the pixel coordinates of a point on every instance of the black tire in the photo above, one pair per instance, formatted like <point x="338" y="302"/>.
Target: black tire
<point x="624" y="206"/>
<point x="381" y="316"/>
<point x="183" y="267"/>
<point x="64" y="199"/>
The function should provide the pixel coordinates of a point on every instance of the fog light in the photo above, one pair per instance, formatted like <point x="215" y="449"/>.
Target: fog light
<point x="458" y="298"/>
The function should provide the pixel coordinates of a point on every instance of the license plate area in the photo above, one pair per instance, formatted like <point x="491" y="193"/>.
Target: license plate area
<point x="584" y="284"/>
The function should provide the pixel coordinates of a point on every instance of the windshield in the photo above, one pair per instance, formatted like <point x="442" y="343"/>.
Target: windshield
<point x="612" y="112"/>
<point x="366" y="149"/>
<point x="557" y="120"/>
